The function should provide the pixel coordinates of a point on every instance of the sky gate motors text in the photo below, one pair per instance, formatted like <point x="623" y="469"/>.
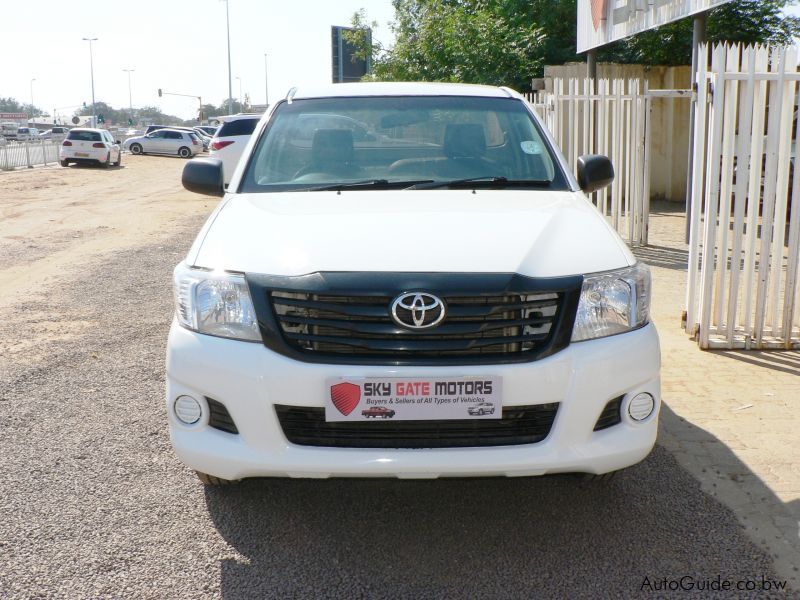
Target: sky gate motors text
<point x="423" y="388"/>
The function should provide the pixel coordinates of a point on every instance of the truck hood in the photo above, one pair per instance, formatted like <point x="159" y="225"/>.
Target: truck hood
<point x="533" y="233"/>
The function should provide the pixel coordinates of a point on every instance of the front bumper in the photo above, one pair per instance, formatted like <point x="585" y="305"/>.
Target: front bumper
<point x="249" y="380"/>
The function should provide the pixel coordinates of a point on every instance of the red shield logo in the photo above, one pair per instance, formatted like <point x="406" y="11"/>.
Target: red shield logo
<point x="598" y="12"/>
<point x="345" y="397"/>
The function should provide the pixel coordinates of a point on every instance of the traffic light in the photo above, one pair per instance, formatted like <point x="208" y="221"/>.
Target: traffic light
<point x="159" y="92"/>
<point x="130" y="121"/>
<point x="101" y="119"/>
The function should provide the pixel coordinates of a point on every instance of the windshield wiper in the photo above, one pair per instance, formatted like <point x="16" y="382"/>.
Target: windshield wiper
<point x="369" y="183"/>
<point x="486" y="181"/>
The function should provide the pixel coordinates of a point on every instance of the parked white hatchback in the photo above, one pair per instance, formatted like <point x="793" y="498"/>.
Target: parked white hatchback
<point x="85" y="145"/>
<point x="166" y="141"/>
<point x="230" y="140"/>
<point x="437" y="258"/>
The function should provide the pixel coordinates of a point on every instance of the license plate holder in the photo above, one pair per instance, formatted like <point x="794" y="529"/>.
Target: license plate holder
<point x="413" y="398"/>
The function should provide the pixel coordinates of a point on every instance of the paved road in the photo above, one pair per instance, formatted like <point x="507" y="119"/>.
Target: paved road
<point x="94" y="503"/>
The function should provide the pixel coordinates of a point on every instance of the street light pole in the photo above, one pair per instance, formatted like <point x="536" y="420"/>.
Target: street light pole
<point x="241" y="104"/>
<point x="230" y="80"/>
<point x="130" y="95"/>
<point x="32" y="80"/>
<point x="266" y="83"/>
<point x="91" y="68"/>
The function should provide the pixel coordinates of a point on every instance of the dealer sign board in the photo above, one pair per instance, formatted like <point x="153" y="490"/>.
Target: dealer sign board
<point x="601" y="22"/>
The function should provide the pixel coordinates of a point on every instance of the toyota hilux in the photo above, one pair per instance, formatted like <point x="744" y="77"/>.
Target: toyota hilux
<point x="419" y="247"/>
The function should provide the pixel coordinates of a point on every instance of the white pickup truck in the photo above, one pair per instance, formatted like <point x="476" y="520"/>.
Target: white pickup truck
<point x="424" y="249"/>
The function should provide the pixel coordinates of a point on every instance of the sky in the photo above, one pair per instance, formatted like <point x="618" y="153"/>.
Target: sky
<point x="177" y="45"/>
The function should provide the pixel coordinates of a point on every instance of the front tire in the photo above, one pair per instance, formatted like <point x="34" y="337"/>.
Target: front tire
<point x="211" y="480"/>
<point x="602" y="478"/>
<point x="64" y="163"/>
<point x="184" y="152"/>
<point x="136" y="149"/>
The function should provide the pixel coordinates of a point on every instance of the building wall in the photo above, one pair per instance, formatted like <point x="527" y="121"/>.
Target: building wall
<point x="669" y="135"/>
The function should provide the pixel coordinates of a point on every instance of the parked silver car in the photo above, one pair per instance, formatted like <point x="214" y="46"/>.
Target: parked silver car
<point x="166" y="141"/>
<point x="57" y="133"/>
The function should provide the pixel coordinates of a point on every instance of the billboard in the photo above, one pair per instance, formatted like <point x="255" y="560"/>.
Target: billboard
<point x="601" y="22"/>
<point x="346" y="66"/>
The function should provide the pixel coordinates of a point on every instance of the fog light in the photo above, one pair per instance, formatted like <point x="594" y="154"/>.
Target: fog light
<point x="641" y="406"/>
<point x="188" y="410"/>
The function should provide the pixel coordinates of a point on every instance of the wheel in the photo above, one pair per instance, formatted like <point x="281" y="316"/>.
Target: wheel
<point x="119" y="159"/>
<point x="211" y="480"/>
<point x="184" y="152"/>
<point x="107" y="162"/>
<point x="64" y="163"/>
<point x="480" y="412"/>
<point x="136" y="149"/>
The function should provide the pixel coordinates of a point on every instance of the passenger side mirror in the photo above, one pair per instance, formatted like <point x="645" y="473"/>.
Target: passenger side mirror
<point x="595" y="172"/>
<point x="117" y="142"/>
<point x="204" y="176"/>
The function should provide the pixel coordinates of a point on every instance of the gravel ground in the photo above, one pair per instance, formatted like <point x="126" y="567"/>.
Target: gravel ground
<point x="95" y="504"/>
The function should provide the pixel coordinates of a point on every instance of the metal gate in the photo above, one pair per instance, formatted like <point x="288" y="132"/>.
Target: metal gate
<point x="610" y="117"/>
<point x="744" y="230"/>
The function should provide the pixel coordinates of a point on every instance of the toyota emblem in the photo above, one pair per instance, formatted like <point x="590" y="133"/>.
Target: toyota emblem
<point x="418" y="310"/>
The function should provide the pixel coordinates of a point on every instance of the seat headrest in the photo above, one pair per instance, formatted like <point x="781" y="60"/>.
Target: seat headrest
<point x="464" y="140"/>
<point x="332" y="146"/>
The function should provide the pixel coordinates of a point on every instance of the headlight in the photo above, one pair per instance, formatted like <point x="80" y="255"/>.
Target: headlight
<point x="215" y="303"/>
<point x="613" y="302"/>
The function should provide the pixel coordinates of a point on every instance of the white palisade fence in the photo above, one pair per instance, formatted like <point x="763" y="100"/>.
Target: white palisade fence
<point x="28" y="154"/>
<point x="610" y="117"/>
<point x="744" y="249"/>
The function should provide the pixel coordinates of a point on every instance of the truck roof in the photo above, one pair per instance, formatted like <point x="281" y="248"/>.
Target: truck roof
<point x="400" y="89"/>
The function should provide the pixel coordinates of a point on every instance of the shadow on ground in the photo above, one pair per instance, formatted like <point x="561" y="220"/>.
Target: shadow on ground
<point x="545" y="537"/>
<point x="776" y="360"/>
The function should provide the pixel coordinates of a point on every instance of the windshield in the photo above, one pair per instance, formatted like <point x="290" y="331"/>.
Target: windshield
<point x="328" y="142"/>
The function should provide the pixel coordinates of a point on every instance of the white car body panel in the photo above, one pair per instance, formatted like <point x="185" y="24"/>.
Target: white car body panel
<point x="161" y="145"/>
<point x="534" y="233"/>
<point x="249" y="379"/>
<point x="233" y="151"/>
<point x="84" y="150"/>
<point x="530" y="233"/>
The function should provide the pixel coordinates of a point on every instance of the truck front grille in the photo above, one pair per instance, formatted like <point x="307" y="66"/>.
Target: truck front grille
<point x="511" y="323"/>
<point x="345" y="318"/>
<point x="518" y="425"/>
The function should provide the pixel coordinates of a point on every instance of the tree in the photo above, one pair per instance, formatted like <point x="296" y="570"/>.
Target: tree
<point x="13" y="105"/>
<point x="457" y="40"/>
<point x="507" y="42"/>
<point x="145" y="114"/>
<point x="743" y="21"/>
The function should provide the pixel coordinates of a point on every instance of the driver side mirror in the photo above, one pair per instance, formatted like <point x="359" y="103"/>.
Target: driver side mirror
<point x="204" y="176"/>
<point x="595" y="172"/>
